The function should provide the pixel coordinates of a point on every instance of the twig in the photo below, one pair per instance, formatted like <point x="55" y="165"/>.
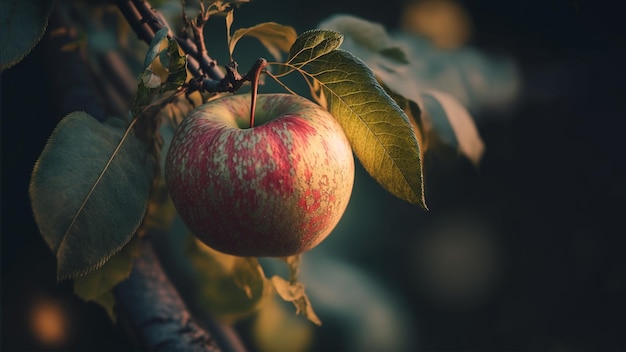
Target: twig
<point x="145" y="21"/>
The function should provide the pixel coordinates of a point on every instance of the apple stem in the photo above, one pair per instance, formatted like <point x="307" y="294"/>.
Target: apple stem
<point x="254" y="80"/>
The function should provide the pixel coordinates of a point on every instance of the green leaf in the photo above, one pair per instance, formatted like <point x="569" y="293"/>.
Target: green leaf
<point x="229" y="287"/>
<point x="275" y="37"/>
<point x="378" y="130"/>
<point x="89" y="191"/>
<point x="97" y="286"/>
<point x="311" y="45"/>
<point x="294" y="292"/>
<point x="22" y="25"/>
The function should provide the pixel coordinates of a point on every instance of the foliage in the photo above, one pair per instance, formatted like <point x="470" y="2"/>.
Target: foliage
<point x="96" y="186"/>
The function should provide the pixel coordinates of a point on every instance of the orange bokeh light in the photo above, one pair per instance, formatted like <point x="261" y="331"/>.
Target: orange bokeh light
<point x="48" y="322"/>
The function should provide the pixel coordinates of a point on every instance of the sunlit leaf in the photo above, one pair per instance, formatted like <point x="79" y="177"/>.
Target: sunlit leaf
<point x="229" y="287"/>
<point x="311" y="45"/>
<point x="22" y="25"/>
<point x="275" y="37"/>
<point x="89" y="191"/>
<point x="97" y="285"/>
<point x="414" y="113"/>
<point x="379" y="131"/>
<point x="294" y="292"/>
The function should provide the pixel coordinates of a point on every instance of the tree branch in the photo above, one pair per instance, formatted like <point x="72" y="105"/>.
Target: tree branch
<point x="156" y="314"/>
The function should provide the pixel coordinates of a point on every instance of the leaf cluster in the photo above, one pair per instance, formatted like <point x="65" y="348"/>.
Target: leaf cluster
<point x="93" y="185"/>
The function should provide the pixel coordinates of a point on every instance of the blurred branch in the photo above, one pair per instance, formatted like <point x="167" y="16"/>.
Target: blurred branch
<point x="155" y="312"/>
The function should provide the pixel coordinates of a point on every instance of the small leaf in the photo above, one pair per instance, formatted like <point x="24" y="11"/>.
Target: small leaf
<point x="97" y="285"/>
<point x="378" y="130"/>
<point x="22" y="25"/>
<point x="294" y="293"/>
<point x="275" y="37"/>
<point x="164" y="73"/>
<point x="453" y="124"/>
<point x="311" y="45"/>
<point x="89" y="191"/>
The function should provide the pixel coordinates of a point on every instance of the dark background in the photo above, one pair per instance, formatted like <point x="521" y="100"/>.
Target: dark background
<point x="550" y="192"/>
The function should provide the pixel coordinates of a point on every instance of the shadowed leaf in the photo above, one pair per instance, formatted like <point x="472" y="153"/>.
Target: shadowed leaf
<point x="88" y="196"/>
<point x="453" y="124"/>
<point x="22" y="25"/>
<point x="97" y="285"/>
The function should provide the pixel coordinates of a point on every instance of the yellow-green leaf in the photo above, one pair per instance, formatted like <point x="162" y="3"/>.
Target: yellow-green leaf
<point x="275" y="37"/>
<point x="379" y="131"/>
<point x="97" y="285"/>
<point x="229" y="287"/>
<point x="414" y="113"/>
<point x="311" y="45"/>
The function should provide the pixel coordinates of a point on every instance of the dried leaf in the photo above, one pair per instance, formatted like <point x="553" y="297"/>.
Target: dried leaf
<point x="294" y="293"/>
<point x="275" y="37"/>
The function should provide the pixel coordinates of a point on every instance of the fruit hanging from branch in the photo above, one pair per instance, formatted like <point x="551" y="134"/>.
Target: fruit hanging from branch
<point x="276" y="189"/>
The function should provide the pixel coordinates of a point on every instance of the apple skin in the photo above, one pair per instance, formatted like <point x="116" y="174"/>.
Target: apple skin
<point x="274" y="190"/>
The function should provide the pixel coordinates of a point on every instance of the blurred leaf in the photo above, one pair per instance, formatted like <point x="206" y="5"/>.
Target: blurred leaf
<point x="311" y="45"/>
<point x="294" y="292"/>
<point x="369" y="35"/>
<point x="22" y="25"/>
<point x="97" y="285"/>
<point x="378" y="130"/>
<point x="229" y="287"/>
<point x="278" y="329"/>
<point x="89" y="190"/>
<point x="453" y="124"/>
<point x="275" y="37"/>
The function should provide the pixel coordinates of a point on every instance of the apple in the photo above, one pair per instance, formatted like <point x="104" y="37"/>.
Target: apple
<point x="273" y="190"/>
